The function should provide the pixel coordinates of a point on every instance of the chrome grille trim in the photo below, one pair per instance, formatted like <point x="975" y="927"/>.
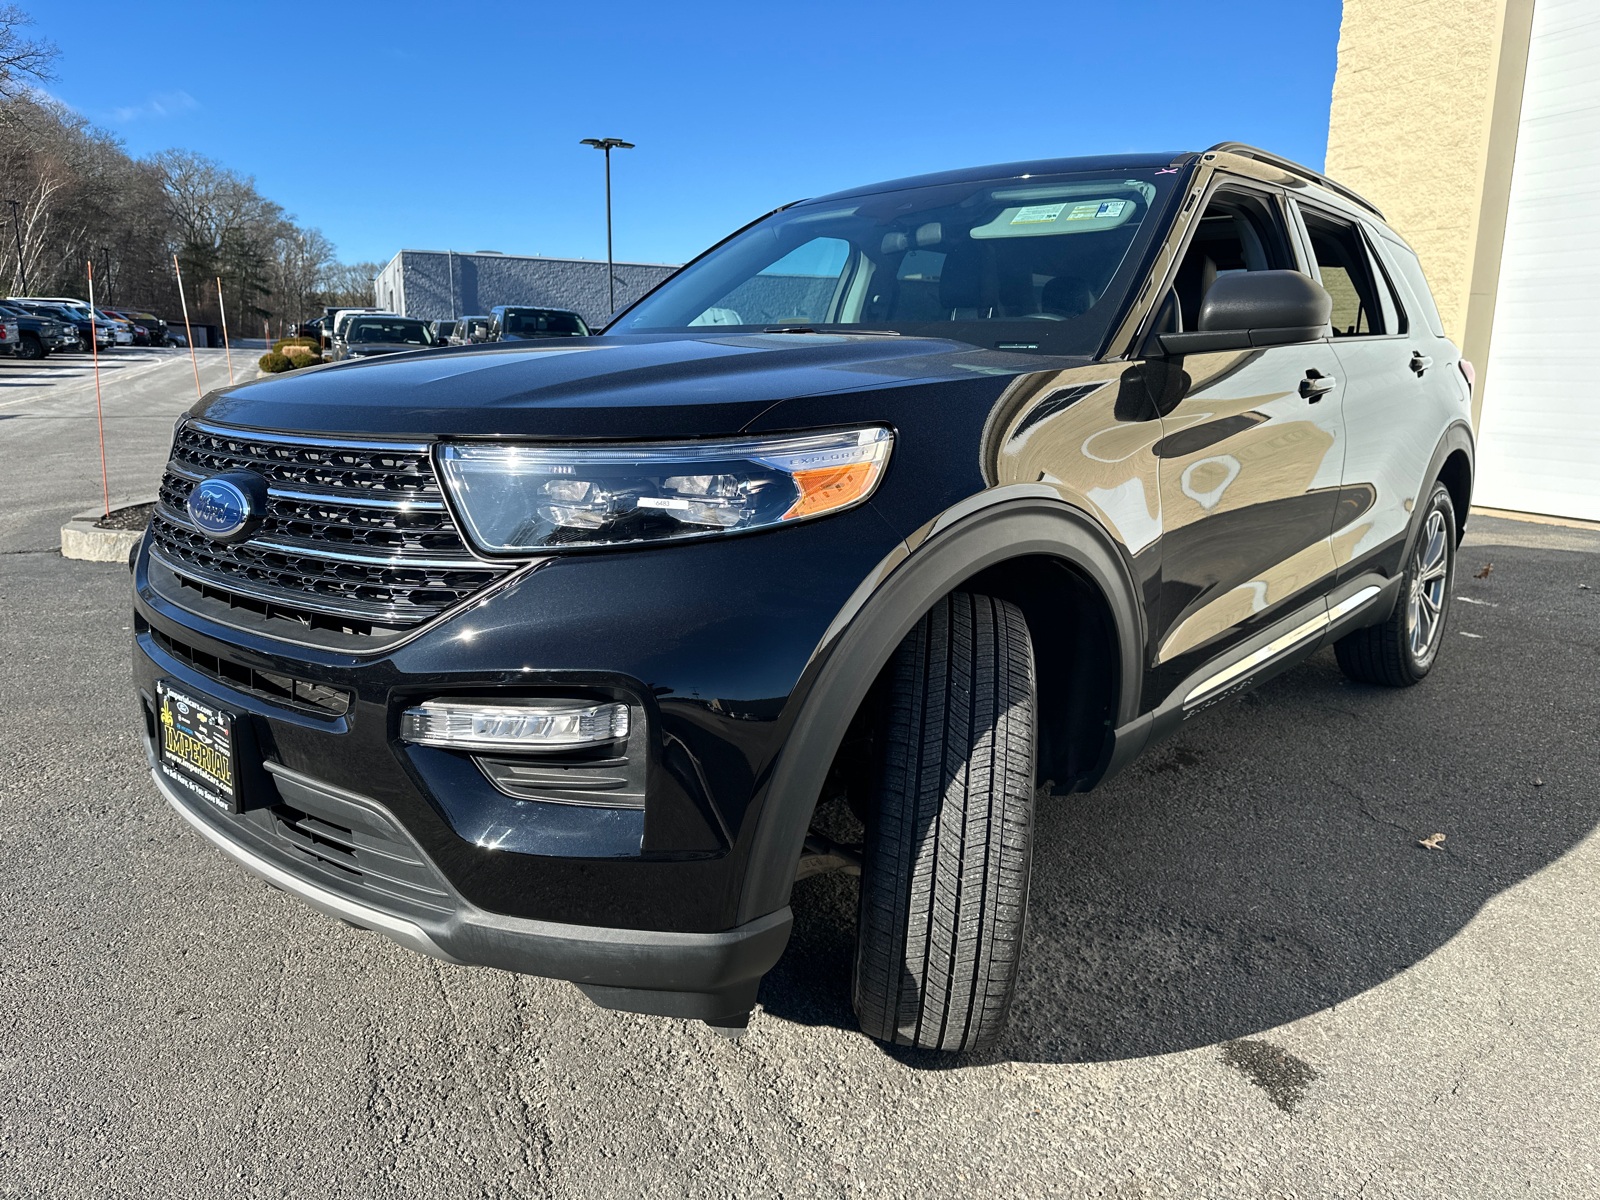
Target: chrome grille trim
<point x="355" y="531"/>
<point x="291" y="546"/>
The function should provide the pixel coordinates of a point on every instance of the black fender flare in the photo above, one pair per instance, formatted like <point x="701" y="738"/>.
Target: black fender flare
<point x="1457" y="436"/>
<point x="885" y="609"/>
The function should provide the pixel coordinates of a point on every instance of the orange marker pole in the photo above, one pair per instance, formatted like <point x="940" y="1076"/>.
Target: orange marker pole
<point x="224" y="313"/>
<point x="187" y="331"/>
<point x="99" y="418"/>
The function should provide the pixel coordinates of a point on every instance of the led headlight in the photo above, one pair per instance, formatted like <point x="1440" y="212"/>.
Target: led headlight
<point x="521" y="497"/>
<point x="536" y="725"/>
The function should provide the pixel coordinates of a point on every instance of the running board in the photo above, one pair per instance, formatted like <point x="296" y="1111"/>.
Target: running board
<point x="1279" y="646"/>
<point x="1361" y="601"/>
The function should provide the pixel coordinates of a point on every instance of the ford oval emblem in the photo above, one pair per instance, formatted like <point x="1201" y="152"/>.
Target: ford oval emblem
<point x="227" y="508"/>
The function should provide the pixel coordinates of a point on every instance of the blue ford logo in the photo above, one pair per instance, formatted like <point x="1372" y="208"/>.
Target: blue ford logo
<point x="227" y="508"/>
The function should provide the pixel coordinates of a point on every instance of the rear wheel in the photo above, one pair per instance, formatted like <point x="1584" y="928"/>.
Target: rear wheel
<point x="1401" y="651"/>
<point x="944" y="880"/>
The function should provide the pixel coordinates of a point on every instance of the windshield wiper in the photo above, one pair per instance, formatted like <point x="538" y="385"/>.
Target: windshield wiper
<point x="833" y="332"/>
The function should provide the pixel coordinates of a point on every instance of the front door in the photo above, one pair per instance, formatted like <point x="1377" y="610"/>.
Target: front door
<point x="1250" y="461"/>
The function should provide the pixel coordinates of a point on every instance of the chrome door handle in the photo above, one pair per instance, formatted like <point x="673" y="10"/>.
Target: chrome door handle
<point x="1420" y="362"/>
<point x="1316" y="385"/>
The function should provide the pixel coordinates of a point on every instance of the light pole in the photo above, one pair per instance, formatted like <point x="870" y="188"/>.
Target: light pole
<point x="608" y="145"/>
<point x="16" y="227"/>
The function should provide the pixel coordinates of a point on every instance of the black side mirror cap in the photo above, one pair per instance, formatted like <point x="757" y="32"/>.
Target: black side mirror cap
<point x="1248" y="309"/>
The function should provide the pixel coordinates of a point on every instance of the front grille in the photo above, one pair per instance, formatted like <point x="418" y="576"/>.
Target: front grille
<point x="356" y="536"/>
<point x="310" y="697"/>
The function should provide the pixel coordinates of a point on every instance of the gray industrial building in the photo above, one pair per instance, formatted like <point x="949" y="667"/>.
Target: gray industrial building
<point x="443" y="284"/>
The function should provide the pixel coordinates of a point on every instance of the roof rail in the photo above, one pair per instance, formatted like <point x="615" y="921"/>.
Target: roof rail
<point x="1245" y="151"/>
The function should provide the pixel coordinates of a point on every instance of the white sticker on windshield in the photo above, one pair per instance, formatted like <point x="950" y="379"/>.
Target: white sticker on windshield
<point x="1037" y="213"/>
<point x="1112" y="208"/>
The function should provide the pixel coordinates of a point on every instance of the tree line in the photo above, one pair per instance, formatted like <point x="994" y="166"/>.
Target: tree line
<point x="70" y="193"/>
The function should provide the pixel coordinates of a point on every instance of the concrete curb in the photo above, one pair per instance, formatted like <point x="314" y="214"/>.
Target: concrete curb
<point x="80" y="539"/>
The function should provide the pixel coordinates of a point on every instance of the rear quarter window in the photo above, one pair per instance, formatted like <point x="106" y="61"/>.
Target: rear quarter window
<point x="1414" y="281"/>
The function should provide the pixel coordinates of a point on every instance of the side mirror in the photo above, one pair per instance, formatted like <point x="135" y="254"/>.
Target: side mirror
<point x="1256" y="308"/>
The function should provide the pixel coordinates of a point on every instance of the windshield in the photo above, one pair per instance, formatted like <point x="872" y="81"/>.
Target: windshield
<point x="542" y="322"/>
<point x="367" y="329"/>
<point x="1031" y="263"/>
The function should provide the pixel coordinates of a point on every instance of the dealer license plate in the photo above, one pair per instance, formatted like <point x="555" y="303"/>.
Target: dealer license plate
<point x="197" y="745"/>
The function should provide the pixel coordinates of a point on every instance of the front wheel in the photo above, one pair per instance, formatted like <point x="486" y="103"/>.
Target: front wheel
<point x="944" y="880"/>
<point x="30" y="347"/>
<point x="1402" y="650"/>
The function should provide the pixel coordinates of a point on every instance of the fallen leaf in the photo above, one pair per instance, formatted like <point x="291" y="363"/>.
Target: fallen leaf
<point x="1584" y="587"/>
<point x="1488" y="569"/>
<point x="1537" y="782"/>
<point x="1464" y="633"/>
<point x="1431" y="842"/>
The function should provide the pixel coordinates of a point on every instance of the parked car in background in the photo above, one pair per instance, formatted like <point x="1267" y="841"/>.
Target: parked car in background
<point x="121" y="327"/>
<point x="471" y="330"/>
<point x="148" y="329"/>
<point x="330" y="319"/>
<point x="364" y="335"/>
<point x="344" y="316"/>
<point x="91" y="334"/>
<point x="309" y="329"/>
<point x="518" y="323"/>
<point x="9" y="335"/>
<point x="37" y="335"/>
<point x="141" y="333"/>
<point x="443" y="331"/>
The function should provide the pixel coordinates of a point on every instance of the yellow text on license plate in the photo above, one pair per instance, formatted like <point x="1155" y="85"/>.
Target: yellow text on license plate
<point x="206" y="759"/>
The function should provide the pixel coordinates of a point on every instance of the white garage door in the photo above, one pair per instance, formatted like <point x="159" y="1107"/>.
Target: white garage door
<point x="1540" y="434"/>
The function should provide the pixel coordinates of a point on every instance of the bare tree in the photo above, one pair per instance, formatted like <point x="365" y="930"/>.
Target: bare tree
<point x="21" y="58"/>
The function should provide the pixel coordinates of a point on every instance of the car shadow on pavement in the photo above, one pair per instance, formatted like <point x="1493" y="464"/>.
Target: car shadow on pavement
<point x="1265" y="863"/>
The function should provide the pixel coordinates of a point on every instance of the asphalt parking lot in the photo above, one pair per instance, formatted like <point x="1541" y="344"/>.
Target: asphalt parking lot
<point x="1246" y="976"/>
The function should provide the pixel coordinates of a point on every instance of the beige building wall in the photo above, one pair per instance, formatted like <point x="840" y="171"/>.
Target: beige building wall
<point x="1424" y="124"/>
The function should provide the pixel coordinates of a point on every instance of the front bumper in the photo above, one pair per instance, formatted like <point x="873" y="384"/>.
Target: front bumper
<point x="710" y="976"/>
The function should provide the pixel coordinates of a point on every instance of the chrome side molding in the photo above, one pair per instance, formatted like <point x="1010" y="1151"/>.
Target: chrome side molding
<point x="1278" y="647"/>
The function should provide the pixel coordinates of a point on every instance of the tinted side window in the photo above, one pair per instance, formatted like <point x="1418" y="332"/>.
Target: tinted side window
<point x="1346" y="272"/>
<point x="1405" y="259"/>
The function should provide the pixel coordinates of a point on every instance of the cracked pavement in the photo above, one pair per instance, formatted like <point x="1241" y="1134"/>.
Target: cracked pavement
<point x="1245" y="976"/>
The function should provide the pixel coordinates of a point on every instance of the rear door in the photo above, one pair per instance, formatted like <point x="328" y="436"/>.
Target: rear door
<point x="1250" y="457"/>
<point x="1392" y="369"/>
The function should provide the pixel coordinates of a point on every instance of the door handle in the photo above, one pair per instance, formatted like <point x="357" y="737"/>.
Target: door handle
<point x="1420" y="362"/>
<point x="1316" y="385"/>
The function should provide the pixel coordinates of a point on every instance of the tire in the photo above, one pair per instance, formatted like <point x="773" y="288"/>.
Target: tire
<point x="1401" y="651"/>
<point x="29" y="347"/>
<point x="944" y="879"/>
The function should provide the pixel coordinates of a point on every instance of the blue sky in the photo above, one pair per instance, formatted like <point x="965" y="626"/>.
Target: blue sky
<point x="410" y="125"/>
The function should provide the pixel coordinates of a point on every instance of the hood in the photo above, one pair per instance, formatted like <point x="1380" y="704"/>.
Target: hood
<point x="602" y="387"/>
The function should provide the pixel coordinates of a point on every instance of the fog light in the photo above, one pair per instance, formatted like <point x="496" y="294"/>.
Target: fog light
<point x="536" y="725"/>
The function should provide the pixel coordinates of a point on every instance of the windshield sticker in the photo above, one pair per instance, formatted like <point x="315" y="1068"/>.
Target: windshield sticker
<point x="1111" y="208"/>
<point x="1039" y="213"/>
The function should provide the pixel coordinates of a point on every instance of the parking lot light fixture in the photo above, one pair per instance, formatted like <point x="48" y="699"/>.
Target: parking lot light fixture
<point x="22" y="267"/>
<point x="608" y="145"/>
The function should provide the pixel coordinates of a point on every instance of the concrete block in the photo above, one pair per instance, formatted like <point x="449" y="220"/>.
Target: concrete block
<point x="80" y="539"/>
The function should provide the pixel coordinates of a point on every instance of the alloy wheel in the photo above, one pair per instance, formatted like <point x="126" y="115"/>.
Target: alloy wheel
<point x="1429" y="578"/>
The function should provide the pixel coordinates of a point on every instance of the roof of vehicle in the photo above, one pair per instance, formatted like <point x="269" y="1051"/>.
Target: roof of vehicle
<point x="1108" y="162"/>
<point x="571" y="312"/>
<point x="1012" y="170"/>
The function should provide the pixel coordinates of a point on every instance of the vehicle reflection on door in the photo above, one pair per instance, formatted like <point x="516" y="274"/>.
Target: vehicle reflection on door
<point x="1251" y="460"/>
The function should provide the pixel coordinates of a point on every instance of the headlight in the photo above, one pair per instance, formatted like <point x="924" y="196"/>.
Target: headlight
<point x="520" y="498"/>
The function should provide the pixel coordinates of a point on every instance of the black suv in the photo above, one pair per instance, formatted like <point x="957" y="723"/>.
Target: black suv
<point x="512" y="323"/>
<point x="892" y="510"/>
